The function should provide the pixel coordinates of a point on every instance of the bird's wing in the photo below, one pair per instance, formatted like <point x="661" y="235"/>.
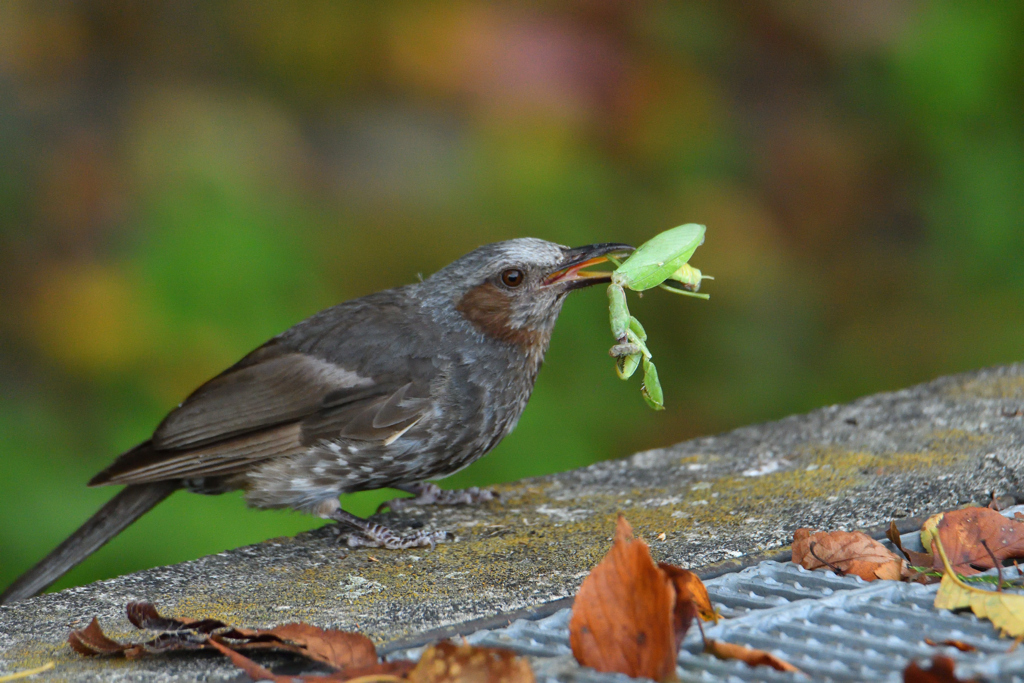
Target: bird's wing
<point x="382" y="418"/>
<point x="145" y="464"/>
<point x="270" y="387"/>
<point x="274" y="403"/>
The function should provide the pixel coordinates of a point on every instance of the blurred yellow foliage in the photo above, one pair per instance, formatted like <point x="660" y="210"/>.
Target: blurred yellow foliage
<point x="89" y="316"/>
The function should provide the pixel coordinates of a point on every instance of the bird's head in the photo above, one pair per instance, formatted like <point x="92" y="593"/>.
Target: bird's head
<point x="513" y="291"/>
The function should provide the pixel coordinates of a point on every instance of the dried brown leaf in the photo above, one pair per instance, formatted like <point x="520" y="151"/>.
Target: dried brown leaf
<point x="92" y="641"/>
<point x="963" y="532"/>
<point x="851" y="552"/>
<point x="958" y="644"/>
<point x="685" y="609"/>
<point x="913" y="557"/>
<point x="450" y="663"/>
<point x="941" y="671"/>
<point x="689" y="588"/>
<point x="349" y="652"/>
<point x="340" y="649"/>
<point x="749" y="655"/>
<point x="260" y="673"/>
<point x="251" y="668"/>
<point x="622" y="619"/>
<point x="378" y="672"/>
<point x="398" y="669"/>
<point x="1004" y="609"/>
<point x="144" y="615"/>
<point x="175" y="635"/>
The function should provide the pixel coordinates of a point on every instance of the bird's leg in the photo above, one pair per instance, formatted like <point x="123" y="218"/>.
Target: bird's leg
<point x="426" y="493"/>
<point x="363" y="534"/>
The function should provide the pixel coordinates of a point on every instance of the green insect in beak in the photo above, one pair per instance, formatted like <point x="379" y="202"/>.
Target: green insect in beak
<point x="662" y="262"/>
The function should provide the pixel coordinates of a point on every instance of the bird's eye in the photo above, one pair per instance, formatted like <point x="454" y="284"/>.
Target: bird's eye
<point x="513" y="277"/>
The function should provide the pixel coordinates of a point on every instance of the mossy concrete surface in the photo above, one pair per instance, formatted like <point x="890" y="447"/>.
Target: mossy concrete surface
<point x="951" y="442"/>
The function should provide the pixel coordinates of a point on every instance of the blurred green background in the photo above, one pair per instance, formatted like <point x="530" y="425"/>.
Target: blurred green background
<point x="180" y="181"/>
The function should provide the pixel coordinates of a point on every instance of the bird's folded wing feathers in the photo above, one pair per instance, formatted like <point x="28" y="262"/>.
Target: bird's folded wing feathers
<point x="278" y="390"/>
<point x="270" y="408"/>
<point x="381" y="418"/>
<point x="141" y="465"/>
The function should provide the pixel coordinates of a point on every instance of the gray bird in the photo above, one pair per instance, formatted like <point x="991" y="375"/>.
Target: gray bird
<point x="390" y="390"/>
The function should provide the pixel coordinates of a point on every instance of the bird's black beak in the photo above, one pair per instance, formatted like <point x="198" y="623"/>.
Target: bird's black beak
<point x="570" y="274"/>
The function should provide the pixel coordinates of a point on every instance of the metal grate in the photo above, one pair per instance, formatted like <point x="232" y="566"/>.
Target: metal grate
<point x="836" y="629"/>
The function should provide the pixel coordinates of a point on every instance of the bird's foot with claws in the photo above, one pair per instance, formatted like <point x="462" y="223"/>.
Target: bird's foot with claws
<point x="432" y="494"/>
<point x="359" y="533"/>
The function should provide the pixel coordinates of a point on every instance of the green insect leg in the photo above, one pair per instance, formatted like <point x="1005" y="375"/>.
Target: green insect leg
<point x="618" y="311"/>
<point x="651" y="387"/>
<point x="637" y="328"/>
<point x="625" y="366"/>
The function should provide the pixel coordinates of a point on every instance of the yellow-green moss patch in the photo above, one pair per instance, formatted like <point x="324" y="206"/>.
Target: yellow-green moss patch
<point x="990" y="387"/>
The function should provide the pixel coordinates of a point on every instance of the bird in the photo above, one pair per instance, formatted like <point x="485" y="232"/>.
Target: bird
<point x="392" y="390"/>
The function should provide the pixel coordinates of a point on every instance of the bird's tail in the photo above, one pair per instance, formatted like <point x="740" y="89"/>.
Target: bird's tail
<point x="113" y="518"/>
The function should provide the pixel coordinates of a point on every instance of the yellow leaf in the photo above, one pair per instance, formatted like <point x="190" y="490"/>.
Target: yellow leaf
<point x="930" y="530"/>
<point x="1004" y="610"/>
<point x="28" y="672"/>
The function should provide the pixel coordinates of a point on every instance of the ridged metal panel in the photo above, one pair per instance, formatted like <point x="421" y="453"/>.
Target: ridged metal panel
<point x="835" y="629"/>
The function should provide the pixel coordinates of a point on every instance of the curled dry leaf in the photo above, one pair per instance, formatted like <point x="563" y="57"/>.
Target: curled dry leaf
<point x="251" y="668"/>
<point x="622" y="618"/>
<point x="92" y="641"/>
<point x="144" y="615"/>
<point x="958" y="644"/>
<point x="965" y="533"/>
<point x="1004" y="609"/>
<point x="941" y="671"/>
<point x="746" y="654"/>
<point x="913" y="557"/>
<point x="382" y="672"/>
<point x="851" y="552"/>
<point x="450" y="663"/>
<point x="689" y="588"/>
<point x="339" y="649"/>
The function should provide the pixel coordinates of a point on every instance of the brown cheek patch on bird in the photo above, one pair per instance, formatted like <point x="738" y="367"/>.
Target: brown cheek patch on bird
<point x="490" y="311"/>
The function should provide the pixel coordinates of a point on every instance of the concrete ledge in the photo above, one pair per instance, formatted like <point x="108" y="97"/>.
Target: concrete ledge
<point x="897" y="455"/>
